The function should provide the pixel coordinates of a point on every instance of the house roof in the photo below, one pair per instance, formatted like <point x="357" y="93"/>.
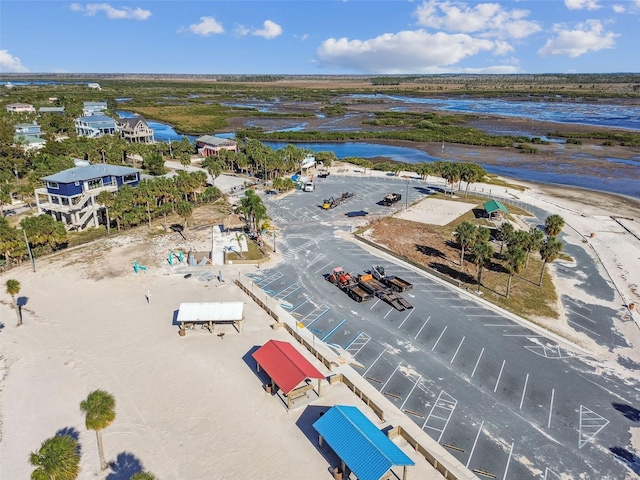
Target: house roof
<point x="89" y="172"/>
<point x="285" y="365"/>
<point x="27" y="125"/>
<point x="51" y="109"/>
<point x="131" y="122"/>
<point x="215" y="141"/>
<point x="493" y="206"/>
<point x="94" y="104"/>
<point x="28" y="139"/>
<point x="359" y="443"/>
<point x="16" y="105"/>
<point x="211" y="311"/>
<point x="96" y="119"/>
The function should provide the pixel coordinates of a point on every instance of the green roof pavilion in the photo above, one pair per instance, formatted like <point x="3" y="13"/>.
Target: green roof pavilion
<point x="493" y="206"/>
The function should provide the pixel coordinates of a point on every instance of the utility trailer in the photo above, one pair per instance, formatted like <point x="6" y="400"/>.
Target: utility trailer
<point x="334" y="202"/>
<point x="391" y="198"/>
<point x="384" y="293"/>
<point x="348" y="284"/>
<point x="395" y="283"/>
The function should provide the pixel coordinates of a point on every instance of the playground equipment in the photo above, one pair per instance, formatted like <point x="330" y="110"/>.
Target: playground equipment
<point x="177" y="255"/>
<point x="137" y="267"/>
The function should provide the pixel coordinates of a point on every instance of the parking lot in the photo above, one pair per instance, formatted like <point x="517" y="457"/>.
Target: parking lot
<point x="507" y="401"/>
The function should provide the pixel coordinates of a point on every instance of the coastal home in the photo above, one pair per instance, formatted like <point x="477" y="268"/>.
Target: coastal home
<point x="94" y="126"/>
<point x="70" y="196"/>
<point x="51" y="110"/>
<point x="29" y="142"/>
<point x="93" y="108"/>
<point x="209" y="145"/>
<point x="94" y="86"/>
<point x="135" y="130"/>
<point x="32" y="129"/>
<point x="20" y="108"/>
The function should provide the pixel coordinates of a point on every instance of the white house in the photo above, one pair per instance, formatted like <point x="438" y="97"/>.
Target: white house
<point x="20" y="108"/>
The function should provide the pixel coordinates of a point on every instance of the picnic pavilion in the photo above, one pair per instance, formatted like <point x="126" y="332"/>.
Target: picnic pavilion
<point x="208" y="314"/>
<point x="287" y="369"/>
<point x="360" y="445"/>
<point x="495" y="207"/>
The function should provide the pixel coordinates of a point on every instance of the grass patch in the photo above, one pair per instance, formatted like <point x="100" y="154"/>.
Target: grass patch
<point x="493" y="179"/>
<point x="254" y="253"/>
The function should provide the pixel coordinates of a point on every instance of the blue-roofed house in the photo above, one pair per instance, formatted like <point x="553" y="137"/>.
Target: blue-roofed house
<point x="51" y="110"/>
<point x="70" y="196"/>
<point x="94" y="126"/>
<point x="361" y="446"/>
<point x="93" y="108"/>
<point x="32" y="129"/>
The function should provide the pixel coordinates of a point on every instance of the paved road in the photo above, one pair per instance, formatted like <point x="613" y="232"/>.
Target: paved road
<point x="506" y="401"/>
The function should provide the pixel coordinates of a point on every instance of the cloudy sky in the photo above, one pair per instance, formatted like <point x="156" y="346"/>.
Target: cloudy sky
<point x="320" y="36"/>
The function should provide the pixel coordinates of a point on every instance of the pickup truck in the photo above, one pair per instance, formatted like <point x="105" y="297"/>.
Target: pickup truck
<point x="391" y="198"/>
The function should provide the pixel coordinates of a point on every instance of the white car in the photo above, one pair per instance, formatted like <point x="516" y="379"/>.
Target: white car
<point x="309" y="187"/>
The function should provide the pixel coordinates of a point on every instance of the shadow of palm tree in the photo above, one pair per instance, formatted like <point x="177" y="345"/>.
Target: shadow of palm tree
<point x="429" y="251"/>
<point x="124" y="467"/>
<point x="452" y="272"/>
<point x="627" y="457"/>
<point x="628" y="411"/>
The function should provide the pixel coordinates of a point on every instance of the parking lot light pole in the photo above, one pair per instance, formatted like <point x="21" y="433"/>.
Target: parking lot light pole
<point x="406" y="198"/>
<point x="274" y="241"/>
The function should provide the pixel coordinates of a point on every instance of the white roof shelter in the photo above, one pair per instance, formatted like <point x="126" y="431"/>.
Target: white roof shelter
<point x="210" y="313"/>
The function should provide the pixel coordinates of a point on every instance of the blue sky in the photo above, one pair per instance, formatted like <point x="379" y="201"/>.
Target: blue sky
<point x="320" y="36"/>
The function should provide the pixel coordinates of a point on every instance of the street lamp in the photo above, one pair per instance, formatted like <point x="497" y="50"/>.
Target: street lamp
<point x="406" y="198"/>
<point x="274" y="241"/>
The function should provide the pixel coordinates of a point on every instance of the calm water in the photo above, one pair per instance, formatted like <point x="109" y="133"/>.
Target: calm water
<point x="612" y="180"/>
<point x="554" y="110"/>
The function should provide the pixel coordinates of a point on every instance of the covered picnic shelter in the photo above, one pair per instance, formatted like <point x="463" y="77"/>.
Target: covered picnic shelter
<point x="287" y="369"/>
<point x="361" y="446"/>
<point x="494" y="206"/>
<point x="207" y="314"/>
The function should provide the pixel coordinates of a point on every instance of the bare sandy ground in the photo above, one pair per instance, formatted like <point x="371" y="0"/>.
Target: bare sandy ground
<point x="194" y="407"/>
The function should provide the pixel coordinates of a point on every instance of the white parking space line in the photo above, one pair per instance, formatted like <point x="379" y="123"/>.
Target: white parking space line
<point x="405" y="318"/>
<point x="553" y="393"/>
<point x="579" y="314"/>
<point x="374" y="362"/>
<point x="389" y="379"/>
<point x="391" y="310"/>
<point x="411" y="391"/>
<point x="374" y="304"/>
<point x="524" y="389"/>
<point x="436" y="344"/>
<point x="316" y="259"/>
<point x="576" y="304"/>
<point x="500" y="375"/>
<point x="474" y="444"/>
<point x="477" y="362"/>
<point x="323" y="267"/>
<point x="424" y="325"/>
<point x="582" y="327"/>
<point x="457" y="350"/>
<point x="506" y="469"/>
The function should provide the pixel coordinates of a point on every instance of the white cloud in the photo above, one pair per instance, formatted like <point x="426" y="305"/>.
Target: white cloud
<point x="9" y="63"/>
<point x="206" y="27"/>
<point x="619" y="8"/>
<point x="587" y="37"/>
<point x="485" y="19"/>
<point x="122" y="13"/>
<point x="582" y="4"/>
<point x="404" y="52"/>
<point x="270" y="30"/>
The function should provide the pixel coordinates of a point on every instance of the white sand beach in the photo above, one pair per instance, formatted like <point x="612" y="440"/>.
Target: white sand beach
<point x="193" y="407"/>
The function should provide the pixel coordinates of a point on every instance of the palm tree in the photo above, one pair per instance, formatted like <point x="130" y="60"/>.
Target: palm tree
<point x="143" y="476"/>
<point x="465" y="236"/>
<point x="13" y="289"/>
<point x="57" y="459"/>
<point x="504" y="233"/>
<point x="481" y="254"/>
<point x="549" y="251"/>
<point x="239" y="237"/>
<point x="532" y="242"/>
<point x="106" y="199"/>
<point x="100" y="410"/>
<point x="515" y="258"/>
<point x="553" y="225"/>
<point x="185" y="210"/>
<point x="213" y="167"/>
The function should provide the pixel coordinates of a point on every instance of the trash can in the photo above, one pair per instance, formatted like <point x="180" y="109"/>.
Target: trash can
<point x="181" y="332"/>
